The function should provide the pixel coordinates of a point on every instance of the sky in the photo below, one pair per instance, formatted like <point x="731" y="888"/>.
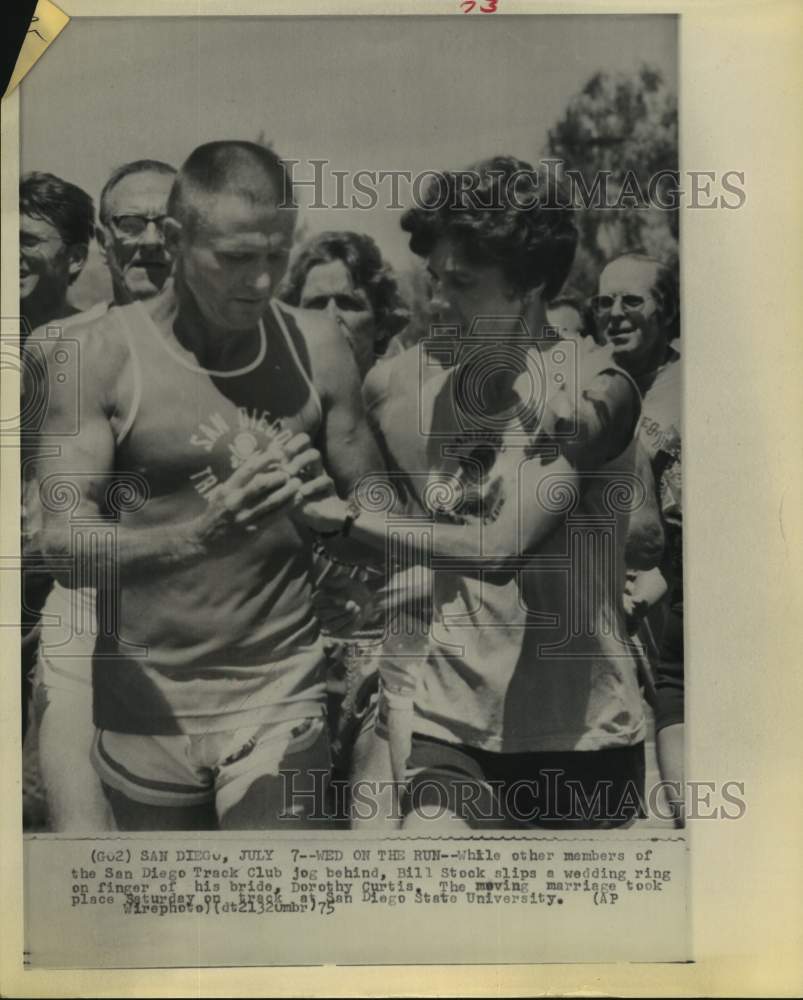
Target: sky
<point x="372" y="93"/>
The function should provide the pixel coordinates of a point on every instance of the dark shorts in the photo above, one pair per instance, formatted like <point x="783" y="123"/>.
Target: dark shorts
<point x="588" y="789"/>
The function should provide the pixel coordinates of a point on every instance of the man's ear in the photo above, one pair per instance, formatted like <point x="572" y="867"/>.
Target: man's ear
<point x="172" y="232"/>
<point x="669" y="313"/>
<point x="531" y="295"/>
<point x="77" y="254"/>
<point x="100" y="236"/>
<point x="531" y="300"/>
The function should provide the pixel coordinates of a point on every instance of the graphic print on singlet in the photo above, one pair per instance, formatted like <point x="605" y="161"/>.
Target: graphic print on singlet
<point x="660" y="432"/>
<point x="233" y="637"/>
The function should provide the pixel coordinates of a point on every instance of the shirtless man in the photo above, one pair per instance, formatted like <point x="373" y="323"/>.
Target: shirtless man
<point x="200" y="413"/>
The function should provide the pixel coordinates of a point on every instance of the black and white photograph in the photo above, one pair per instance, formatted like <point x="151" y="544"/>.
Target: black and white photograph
<point x="351" y="364"/>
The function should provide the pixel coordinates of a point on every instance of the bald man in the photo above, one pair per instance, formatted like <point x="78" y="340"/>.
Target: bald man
<point x="216" y="409"/>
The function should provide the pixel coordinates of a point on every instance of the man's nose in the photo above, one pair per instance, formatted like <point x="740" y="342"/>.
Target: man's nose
<point x="332" y="310"/>
<point x="616" y="308"/>
<point x="152" y="235"/>
<point x="261" y="280"/>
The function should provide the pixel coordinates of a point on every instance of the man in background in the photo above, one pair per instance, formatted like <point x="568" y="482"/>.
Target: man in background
<point x="132" y="212"/>
<point x="131" y="232"/>
<point x="637" y="314"/>
<point x="57" y="223"/>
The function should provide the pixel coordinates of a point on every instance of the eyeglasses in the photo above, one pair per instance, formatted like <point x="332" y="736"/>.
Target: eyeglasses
<point x="604" y="303"/>
<point x="134" y="226"/>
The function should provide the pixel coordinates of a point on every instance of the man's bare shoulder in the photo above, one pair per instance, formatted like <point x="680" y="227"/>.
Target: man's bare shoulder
<point x="92" y="342"/>
<point x="320" y="331"/>
<point x="322" y="347"/>
<point x="84" y="328"/>
<point x="385" y="373"/>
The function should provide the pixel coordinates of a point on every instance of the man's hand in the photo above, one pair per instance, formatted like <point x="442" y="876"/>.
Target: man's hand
<point x="268" y="485"/>
<point x="304" y="462"/>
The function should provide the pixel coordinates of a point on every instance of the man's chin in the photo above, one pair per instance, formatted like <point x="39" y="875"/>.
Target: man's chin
<point x="243" y="315"/>
<point x="625" y="346"/>
<point x="143" y="288"/>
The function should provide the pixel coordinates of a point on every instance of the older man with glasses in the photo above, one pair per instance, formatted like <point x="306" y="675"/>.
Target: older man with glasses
<point x="637" y="314"/>
<point x="132" y="213"/>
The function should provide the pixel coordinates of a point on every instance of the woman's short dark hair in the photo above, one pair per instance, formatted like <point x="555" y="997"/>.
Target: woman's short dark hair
<point x="65" y="206"/>
<point x="500" y="211"/>
<point x="363" y="259"/>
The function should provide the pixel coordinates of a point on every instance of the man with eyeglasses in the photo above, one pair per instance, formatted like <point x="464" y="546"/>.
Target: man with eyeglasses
<point x="130" y="233"/>
<point x="637" y="314"/>
<point x="132" y="213"/>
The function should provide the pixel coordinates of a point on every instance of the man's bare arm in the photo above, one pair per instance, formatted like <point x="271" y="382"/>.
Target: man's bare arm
<point x="80" y="466"/>
<point x="346" y="442"/>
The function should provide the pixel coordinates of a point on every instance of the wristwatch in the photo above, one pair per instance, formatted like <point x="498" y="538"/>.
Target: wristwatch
<point x="353" y="511"/>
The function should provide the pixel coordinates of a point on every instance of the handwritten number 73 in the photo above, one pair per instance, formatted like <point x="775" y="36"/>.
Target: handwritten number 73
<point x="487" y="7"/>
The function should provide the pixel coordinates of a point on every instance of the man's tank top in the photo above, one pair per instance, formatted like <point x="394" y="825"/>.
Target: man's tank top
<point x="233" y="638"/>
<point x="535" y="659"/>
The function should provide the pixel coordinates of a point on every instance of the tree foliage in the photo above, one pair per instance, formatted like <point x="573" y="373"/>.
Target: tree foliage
<point x="624" y="128"/>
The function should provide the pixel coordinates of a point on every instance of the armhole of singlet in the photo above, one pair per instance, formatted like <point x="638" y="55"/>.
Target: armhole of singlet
<point x="137" y="376"/>
<point x="292" y="348"/>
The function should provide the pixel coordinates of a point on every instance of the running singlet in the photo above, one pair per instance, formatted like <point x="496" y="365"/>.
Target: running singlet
<point x="537" y="658"/>
<point x="233" y="639"/>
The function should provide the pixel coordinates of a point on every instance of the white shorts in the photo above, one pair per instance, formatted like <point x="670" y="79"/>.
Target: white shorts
<point x="189" y="770"/>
